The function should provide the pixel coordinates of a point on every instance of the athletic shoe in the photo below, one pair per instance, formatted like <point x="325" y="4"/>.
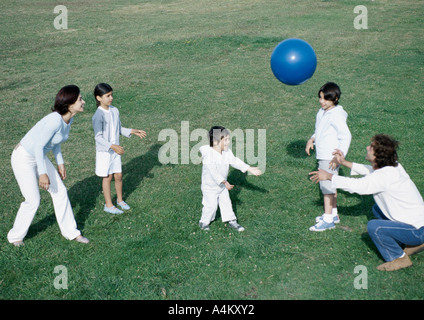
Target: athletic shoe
<point x="322" y="226"/>
<point x="19" y="243"/>
<point x="204" y="226"/>
<point x="233" y="224"/>
<point x="336" y="219"/>
<point x="124" y="205"/>
<point x="81" y="239"/>
<point x="113" y="210"/>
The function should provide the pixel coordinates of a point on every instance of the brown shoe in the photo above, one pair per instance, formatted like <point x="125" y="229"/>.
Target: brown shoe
<point x="396" y="264"/>
<point x="410" y="250"/>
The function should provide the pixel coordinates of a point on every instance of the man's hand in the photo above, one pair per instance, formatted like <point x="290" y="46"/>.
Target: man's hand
<point x="320" y="175"/>
<point x="340" y="159"/>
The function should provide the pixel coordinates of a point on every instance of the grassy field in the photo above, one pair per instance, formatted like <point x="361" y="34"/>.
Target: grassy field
<point x="207" y="62"/>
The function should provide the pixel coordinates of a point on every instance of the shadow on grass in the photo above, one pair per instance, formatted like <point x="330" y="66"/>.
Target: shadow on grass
<point x="363" y="207"/>
<point x="238" y="179"/>
<point x="296" y="149"/>
<point x="84" y="195"/>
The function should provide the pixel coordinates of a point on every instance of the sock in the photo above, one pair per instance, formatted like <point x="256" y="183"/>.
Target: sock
<point x="327" y="217"/>
<point x="334" y="212"/>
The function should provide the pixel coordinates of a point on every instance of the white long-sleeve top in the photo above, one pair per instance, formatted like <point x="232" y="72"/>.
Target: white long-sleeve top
<point x="393" y="191"/>
<point x="216" y="166"/>
<point x="107" y="128"/>
<point x="45" y="136"/>
<point x="331" y="132"/>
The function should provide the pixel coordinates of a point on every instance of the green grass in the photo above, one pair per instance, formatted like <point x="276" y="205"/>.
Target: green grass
<point x="207" y="62"/>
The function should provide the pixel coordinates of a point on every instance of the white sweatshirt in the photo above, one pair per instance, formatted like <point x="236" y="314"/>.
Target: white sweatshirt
<point x="45" y="136"/>
<point x="107" y="128"/>
<point x="393" y="191"/>
<point x="216" y="166"/>
<point x="331" y="132"/>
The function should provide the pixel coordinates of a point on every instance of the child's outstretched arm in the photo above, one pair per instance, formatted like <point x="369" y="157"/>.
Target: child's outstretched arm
<point x="255" y="171"/>
<point x="139" y="133"/>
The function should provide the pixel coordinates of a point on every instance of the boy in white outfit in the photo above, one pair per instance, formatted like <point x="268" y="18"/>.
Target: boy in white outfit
<point x="331" y="133"/>
<point x="217" y="158"/>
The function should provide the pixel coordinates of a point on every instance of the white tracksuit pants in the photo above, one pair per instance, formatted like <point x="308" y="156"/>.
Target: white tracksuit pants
<point x="211" y="200"/>
<point x="25" y="169"/>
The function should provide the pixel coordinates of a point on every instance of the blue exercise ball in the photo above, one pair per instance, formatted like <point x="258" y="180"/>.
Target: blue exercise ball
<point x="293" y="61"/>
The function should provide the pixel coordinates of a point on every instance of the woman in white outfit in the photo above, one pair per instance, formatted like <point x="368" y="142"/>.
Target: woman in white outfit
<point x="33" y="169"/>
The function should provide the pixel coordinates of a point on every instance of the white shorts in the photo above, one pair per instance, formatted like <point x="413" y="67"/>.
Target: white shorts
<point x="325" y="186"/>
<point x="108" y="163"/>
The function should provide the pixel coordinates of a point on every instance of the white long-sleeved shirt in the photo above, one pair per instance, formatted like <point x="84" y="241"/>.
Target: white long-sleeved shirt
<point x="107" y="128"/>
<point x="331" y="132"/>
<point x="45" y="136"/>
<point x="216" y="166"/>
<point x="393" y="191"/>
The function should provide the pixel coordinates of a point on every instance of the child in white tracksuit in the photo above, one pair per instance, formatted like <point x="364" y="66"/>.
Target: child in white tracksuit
<point x="216" y="160"/>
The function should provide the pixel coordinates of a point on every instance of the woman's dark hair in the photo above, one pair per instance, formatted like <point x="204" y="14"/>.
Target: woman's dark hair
<point x="101" y="89"/>
<point x="385" y="152"/>
<point x="66" y="96"/>
<point x="331" y="92"/>
<point x="216" y="133"/>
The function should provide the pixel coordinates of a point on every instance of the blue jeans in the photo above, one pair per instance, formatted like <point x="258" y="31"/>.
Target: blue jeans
<point x="388" y="236"/>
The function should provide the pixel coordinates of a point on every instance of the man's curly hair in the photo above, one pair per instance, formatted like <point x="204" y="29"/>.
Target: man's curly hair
<point x="385" y="152"/>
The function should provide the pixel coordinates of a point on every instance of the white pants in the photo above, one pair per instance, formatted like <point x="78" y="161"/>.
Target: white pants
<point x="210" y="202"/>
<point x="25" y="169"/>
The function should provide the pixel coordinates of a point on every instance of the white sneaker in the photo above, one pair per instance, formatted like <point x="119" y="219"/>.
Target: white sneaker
<point x="233" y="224"/>
<point x="322" y="226"/>
<point x="81" y="239"/>
<point x="336" y="219"/>
<point x="19" y="243"/>
<point x="204" y="226"/>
